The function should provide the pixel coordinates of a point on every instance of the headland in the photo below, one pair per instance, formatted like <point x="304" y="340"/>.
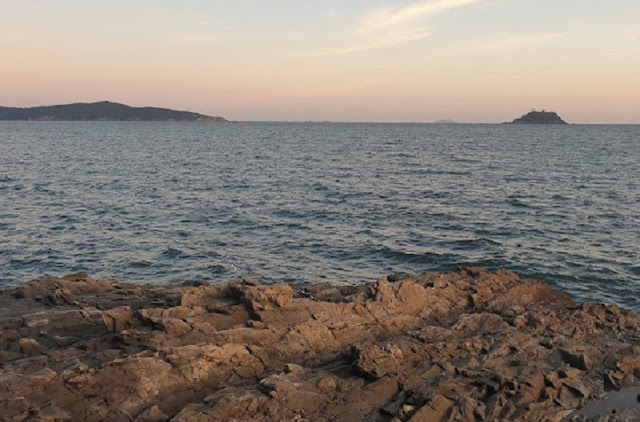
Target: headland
<point x="102" y="111"/>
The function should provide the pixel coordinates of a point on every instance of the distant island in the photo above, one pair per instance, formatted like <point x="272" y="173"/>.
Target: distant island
<point x="101" y="111"/>
<point x="539" y="118"/>
<point x="445" y="122"/>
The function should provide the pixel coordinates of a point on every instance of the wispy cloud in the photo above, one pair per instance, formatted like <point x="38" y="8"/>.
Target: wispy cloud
<point x="380" y="42"/>
<point x="392" y="19"/>
<point x="390" y="26"/>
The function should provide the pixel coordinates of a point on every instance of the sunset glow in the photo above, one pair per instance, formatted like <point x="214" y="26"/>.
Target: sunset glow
<point x="468" y="60"/>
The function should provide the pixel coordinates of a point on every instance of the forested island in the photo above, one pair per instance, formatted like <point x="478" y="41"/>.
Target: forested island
<point x="101" y="111"/>
<point x="539" y="117"/>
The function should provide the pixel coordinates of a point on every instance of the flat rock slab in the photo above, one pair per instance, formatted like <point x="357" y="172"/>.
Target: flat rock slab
<point x="615" y="405"/>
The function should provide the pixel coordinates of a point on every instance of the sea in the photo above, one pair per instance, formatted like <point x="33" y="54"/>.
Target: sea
<point x="337" y="203"/>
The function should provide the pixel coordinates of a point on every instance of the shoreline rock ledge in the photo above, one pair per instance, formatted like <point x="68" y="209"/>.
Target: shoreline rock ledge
<point x="466" y="346"/>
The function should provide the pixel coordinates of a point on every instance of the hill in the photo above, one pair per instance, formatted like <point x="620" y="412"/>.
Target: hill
<point x="541" y="118"/>
<point x="104" y="110"/>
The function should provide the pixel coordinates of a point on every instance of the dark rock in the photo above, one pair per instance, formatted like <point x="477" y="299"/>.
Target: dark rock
<point x="576" y="359"/>
<point x="392" y="278"/>
<point x="540" y="117"/>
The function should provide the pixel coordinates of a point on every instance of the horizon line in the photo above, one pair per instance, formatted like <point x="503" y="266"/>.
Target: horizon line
<point x="230" y="120"/>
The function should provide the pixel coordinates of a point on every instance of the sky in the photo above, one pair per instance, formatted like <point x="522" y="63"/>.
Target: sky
<point x="361" y="60"/>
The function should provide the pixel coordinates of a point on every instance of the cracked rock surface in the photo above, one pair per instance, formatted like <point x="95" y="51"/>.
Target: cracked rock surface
<point x="466" y="346"/>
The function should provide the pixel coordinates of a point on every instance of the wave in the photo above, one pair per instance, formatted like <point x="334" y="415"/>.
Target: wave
<point x="415" y="258"/>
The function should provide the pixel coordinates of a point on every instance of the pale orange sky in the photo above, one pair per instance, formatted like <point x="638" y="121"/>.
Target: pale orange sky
<point x="370" y="60"/>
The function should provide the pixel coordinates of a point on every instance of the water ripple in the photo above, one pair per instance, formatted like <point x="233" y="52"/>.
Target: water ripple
<point x="337" y="203"/>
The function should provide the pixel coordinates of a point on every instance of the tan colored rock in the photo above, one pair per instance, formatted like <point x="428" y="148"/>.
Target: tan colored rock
<point x="405" y="297"/>
<point x="119" y="319"/>
<point x="261" y="298"/>
<point x="435" y="411"/>
<point x="376" y="362"/>
<point x="29" y="346"/>
<point x="152" y="414"/>
<point x="631" y="364"/>
<point x="465" y="346"/>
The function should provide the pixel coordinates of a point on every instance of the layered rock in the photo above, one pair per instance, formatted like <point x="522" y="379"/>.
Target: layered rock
<point x="465" y="346"/>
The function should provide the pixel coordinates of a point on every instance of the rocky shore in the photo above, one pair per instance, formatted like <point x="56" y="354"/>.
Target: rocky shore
<point x="467" y="346"/>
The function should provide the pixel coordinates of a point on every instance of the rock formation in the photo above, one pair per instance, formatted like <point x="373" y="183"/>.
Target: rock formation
<point x="540" y="118"/>
<point x="467" y="346"/>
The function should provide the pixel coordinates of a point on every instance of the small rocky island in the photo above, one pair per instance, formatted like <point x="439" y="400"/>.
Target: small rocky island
<point x="101" y="111"/>
<point x="467" y="346"/>
<point x="539" y="118"/>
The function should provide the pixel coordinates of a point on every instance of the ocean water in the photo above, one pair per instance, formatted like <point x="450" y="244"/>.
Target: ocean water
<point x="310" y="202"/>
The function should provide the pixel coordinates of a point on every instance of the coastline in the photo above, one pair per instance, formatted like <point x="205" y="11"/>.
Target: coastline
<point x="470" y="345"/>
